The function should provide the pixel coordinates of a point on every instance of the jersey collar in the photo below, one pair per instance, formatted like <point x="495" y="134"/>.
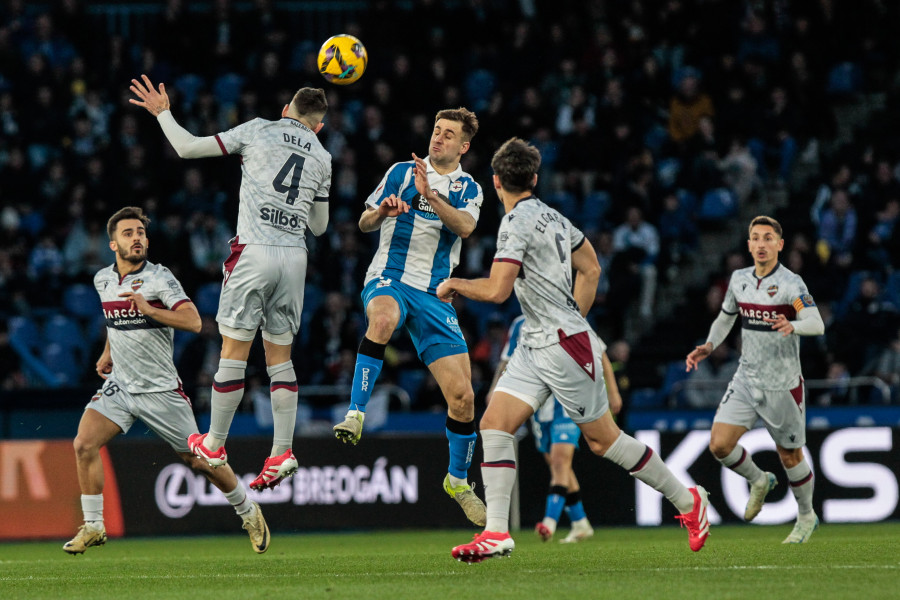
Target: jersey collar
<point x="296" y="123"/>
<point x="769" y="274"/>
<point x="135" y="272"/>
<point x="452" y="175"/>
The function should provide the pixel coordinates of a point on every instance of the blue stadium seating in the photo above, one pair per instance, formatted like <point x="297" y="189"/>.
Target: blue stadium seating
<point x="718" y="205"/>
<point x="81" y="300"/>
<point x="207" y="298"/>
<point x="25" y="331"/>
<point x="59" y="361"/>
<point x="63" y="330"/>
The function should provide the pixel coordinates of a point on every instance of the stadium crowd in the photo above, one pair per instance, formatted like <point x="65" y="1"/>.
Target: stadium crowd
<point x="655" y="122"/>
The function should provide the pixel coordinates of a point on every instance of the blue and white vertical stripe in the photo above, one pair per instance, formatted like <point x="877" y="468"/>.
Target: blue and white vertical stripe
<point x="415" y="248"/>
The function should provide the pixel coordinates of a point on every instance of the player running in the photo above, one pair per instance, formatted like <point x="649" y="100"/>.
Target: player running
<point x="143" y="303"/>
<point x="768" y="384"/>
<point x="556" y="437"/>
<point x="557" y="355"/>
<point x="423" y="208"/>
<point x="284" y="191"/>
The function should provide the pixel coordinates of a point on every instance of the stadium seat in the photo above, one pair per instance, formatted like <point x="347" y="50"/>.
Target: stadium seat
<point x="26" y="332"/>
<point x="63" y="330"/>
<point x="645" y="398"/>
<point x="675" y="374"/>
<point x="594" y="208"/>
<point x="844" y="79"/>
<point x="188" y="85"/>
<point x="207" y="298"/>
<point x="688" y="200"/>
<point x="60" y="361"/>
<point x="892" y="289"/>
<point x="81" y="300"/>
<point x="227" y="88"/>
<point x="851" y="292"/>
<point x="718" y="205"/>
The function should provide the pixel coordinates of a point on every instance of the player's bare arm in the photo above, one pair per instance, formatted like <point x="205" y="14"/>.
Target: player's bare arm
<point x="458" y="221"/>
<point x="612" y="387"/>
<point x="697" y="355"/>
<point x="390" y="207"/>
<point x="185" y="316"/>
<point x="104" y="363"/>
<point x="585" y="263"/>
<point x="495" y="288"/>
<point x="154" y="101"/>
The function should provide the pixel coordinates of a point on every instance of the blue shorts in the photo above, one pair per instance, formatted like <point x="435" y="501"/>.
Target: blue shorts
<point x="558" y="430"/>
<point x="432" y="324"/>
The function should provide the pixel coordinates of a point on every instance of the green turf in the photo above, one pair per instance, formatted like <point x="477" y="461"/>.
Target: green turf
<point x="841" y="561"/>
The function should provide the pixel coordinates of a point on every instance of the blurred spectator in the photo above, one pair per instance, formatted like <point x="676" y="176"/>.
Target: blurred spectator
<point x="687" y="107"/>
<point x="776" y="137"/>
<point x="638" y="241"/>
<point x="837" y="230"/>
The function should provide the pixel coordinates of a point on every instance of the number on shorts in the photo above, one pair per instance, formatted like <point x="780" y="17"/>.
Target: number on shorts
<point x="294" y="164"/>
<point x="111" y="390"/>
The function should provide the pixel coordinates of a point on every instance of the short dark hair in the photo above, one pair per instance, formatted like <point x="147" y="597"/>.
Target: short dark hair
<point x="516" y="162"/>
<point x="129" y="212"/>
<point x="310" y="101"/>
<point x="764" y="220"/>
<point x="461" y="115"/>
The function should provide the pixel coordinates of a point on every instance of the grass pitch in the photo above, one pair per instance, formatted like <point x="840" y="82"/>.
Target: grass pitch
<point x="841" y="561"/>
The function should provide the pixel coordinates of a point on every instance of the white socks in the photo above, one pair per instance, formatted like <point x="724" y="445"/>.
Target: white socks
<point x="283" y="391"/>
<point x="498" y="472"/>
<point x="645" y="464"/>
<point x="227" y="392"/>
<point x="740" y="461"/>
<point x="801" y="480"/>
<point x="92" y="507"/>
<point x="238" y="499"/>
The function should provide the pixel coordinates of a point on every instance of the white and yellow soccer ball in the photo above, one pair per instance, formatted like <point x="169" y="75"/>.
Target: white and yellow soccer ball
<point x="342" y="59"/>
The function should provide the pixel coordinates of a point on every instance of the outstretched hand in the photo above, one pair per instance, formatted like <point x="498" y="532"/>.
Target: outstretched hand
<point x="445" y="291"/>
<point x="421" y="174"/>
<point x="154" y="101"/>
<point x="392" y="206"/>
<point x="698" y="354"/>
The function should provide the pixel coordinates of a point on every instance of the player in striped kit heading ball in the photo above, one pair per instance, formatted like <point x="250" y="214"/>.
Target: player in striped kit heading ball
<point x="423" y="207"/>
<point x="775" y="307"/>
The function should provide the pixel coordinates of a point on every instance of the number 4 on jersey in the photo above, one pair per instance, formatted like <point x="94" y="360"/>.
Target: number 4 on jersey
<point x="292" y="167"/>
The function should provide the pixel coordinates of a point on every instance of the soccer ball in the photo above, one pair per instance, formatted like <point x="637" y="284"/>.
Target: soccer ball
<point x="342" y="59"/>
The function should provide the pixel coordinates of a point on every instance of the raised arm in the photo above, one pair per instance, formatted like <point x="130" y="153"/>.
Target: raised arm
<point x="458" y="221"/>
<point x="372" y="218"/>
<point x="157" y="104"/>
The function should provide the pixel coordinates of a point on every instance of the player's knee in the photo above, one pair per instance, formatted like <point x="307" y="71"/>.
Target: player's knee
<point x="462" y="402"/>
<point x="381" y="327"/>
<point x="85" y="447"/>
<point x="720" y="448"/>
<point x="597" y="446"/>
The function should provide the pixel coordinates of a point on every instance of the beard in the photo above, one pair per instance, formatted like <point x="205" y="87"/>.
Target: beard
<point x="133" y="256"/>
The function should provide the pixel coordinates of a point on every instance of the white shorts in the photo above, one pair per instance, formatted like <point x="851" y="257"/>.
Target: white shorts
<point x="168" y="414"/>
<point x="782" y="411"/>
<point x="263" y="288"/>
<point x="571" y="371"/>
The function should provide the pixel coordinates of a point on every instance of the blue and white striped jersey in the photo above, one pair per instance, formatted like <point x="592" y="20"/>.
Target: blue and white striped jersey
<point x="415" y="248"/>
<point x="512" y="338"/>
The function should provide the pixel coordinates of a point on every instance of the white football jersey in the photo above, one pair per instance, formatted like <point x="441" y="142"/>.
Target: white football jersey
<point x="284" y="170"/>
<point x="141" y="347"/>
<point x="541" y="241"/>
<point x="769" y="360"/>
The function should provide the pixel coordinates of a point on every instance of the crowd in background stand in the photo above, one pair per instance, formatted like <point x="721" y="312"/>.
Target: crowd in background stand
<point x="654" y="120"/>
